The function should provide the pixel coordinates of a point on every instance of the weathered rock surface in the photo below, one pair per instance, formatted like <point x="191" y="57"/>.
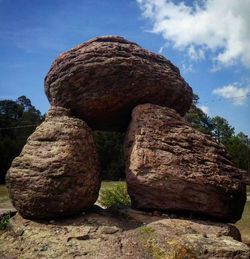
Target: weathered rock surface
<point x="171" y="166"/>
<point x="57" y="172"/>
<point x="102" y="80"/>
<point x="127" y="234"/>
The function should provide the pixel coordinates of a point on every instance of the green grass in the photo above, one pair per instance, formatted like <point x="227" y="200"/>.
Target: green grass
<point x="114" y="195"/>
<point x="108" y="184"/>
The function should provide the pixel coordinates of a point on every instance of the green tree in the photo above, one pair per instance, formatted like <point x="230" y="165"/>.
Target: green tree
<point x="18" y="119"/>
<point x="110" y="151"/>
<point x="239" y="150"/>
<point x="222" y="131"/>
<point x="219" y="128"/>
<point x="198" y="119"/>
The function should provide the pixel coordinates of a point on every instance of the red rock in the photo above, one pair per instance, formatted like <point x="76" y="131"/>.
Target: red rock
<point x="171" y="166"/>
<point x="102" y="80"/>
<point x="57" y="172"/>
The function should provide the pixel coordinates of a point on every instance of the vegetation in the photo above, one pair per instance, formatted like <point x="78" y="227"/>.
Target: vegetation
<point x="238" y="146"/>
<point x="115" y="196"/>
<point x="4" y="221"/>
<point x="198" y="119"/>
<point x="110" y="151"/>
<point x="18" y="119"/>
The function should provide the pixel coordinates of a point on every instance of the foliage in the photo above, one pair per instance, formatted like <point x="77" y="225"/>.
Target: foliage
<point x="115" y="196"/>
<point x="110" y="151"/>
<point x="219" y="128"/>
<point x="4" y="221"/>
<point x="198" y="119"/>
<point x="238" y="150"/>
<point x="18" y="119"/>
<point x="222" y="131"/>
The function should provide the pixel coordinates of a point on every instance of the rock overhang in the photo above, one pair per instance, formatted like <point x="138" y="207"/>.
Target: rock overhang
<point x="103" y="79"/>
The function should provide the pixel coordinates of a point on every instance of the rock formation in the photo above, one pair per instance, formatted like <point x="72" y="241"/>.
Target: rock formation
<point x="57" y="173"/>
<point x="102" y="80"/>
<point x="126" y="234"/>
<point x="171" y="166"/>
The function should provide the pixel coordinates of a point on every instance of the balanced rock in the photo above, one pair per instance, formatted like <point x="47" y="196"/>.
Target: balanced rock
<point x="171" y="166"/>
<point x="102" y="80"/>
<point x="57" y="172"/>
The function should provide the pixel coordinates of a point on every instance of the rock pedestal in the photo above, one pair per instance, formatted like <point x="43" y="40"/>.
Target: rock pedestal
<point x="57" y="172"/>
<point x="126" y="235"/>
<point x="171" y="166"/>
<point x="102" y="80"/>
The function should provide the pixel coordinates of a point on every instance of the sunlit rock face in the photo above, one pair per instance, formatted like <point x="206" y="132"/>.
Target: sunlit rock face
<point x="103" y="79"/>
<point x="127" y="234"/>
<point x="57" y="172"/>
<point x="171" y="166"/>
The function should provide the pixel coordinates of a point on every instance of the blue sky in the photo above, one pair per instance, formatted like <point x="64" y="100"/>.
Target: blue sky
<point x="208" y="40"/>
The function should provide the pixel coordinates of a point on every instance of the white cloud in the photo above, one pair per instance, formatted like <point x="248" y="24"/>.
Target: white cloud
<point x="235" y="94"/>
<point x="161" y="50"/>
<point x="204" y="108"/>
<point x="221" y="26"/>
<point x="196" y="54"/>
<point x="187" y="68"/>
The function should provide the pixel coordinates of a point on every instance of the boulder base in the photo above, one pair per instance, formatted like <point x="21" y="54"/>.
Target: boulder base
<point x="57" y="172"/>
<point x="171" y="166"/>
<point x="125" y="234"/>
<point x="102" y="80"/>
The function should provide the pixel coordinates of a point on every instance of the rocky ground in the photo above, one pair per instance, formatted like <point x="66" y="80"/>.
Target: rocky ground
<point x="123" y="233"/>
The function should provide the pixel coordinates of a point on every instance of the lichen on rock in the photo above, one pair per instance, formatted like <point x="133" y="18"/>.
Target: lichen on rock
<point x="101" y="234"/>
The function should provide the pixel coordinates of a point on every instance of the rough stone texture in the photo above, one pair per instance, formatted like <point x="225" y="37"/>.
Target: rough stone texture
<point x="103" y="79"/>
<point x="57" y="172"/>
<point x="171" y="166"/>
<point x="101" y="234"/>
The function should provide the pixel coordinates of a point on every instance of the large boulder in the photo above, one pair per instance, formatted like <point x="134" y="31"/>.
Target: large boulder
<point x="171" y="166"/>
<point x="57" y="172"/>
<point x="102" y="80"/>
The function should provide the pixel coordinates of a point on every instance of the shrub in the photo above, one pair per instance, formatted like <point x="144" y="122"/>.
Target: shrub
<point x="4" y="221"/>
<point x="115" y="196"/>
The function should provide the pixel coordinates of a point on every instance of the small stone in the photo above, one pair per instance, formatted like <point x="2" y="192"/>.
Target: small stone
<point x="109" y="230"/>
